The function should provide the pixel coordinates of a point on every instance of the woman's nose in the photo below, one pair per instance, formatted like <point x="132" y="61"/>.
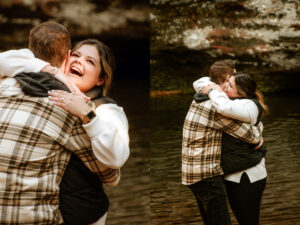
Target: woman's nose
<point x="78" y="60"/>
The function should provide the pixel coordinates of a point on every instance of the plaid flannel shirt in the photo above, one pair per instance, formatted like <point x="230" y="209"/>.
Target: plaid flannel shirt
<point x="36" y="141"/>
<point x="202" y="140"/>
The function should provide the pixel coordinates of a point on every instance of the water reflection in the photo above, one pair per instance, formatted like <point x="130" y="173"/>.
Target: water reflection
<point x="130" y="200"/>
<point x="173" y="203"/>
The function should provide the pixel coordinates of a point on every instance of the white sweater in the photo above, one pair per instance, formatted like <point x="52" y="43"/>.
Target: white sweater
<point x="240" y="109"/>
<point x="108" y="130"/>
<point x="16" y="61"/>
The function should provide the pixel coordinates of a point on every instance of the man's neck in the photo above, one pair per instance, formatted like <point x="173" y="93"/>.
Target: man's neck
<point x="62" y="68"/>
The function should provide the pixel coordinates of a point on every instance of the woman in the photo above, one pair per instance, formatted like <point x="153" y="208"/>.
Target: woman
<point x="90" y="67"/>
<point x="244" y="188"/>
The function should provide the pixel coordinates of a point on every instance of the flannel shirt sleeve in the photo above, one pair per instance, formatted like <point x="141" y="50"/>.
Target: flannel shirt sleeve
<point x="16" y="61"/>
<point x="80" y="144"/>
<point x="237" y="129"/>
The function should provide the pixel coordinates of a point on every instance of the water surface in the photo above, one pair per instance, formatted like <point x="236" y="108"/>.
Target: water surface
<point x="173" y="203"/>
<point x="130" y="200"/>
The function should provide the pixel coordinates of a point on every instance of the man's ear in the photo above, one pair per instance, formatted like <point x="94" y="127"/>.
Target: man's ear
<point x="227" y="77"/>
<point x="67" y="60"/>
<point x="100" y="81"/>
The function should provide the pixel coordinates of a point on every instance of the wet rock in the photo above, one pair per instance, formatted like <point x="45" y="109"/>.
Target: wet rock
<point x="261" y="36"/>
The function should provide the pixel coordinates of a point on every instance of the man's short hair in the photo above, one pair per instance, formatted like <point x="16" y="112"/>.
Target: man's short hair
<point x="220" y="70"/>
<point x="50" y="41"/>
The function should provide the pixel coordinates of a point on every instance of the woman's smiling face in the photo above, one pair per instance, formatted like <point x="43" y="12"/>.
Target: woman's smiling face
<point x="84" y="67"/>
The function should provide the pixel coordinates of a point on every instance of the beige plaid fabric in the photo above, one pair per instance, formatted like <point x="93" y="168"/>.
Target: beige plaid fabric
<point x="202" y="139"/>
<point x="36" y="141"/>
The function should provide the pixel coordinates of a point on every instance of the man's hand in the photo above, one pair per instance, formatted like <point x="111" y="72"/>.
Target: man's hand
<point x="261" y="141"/>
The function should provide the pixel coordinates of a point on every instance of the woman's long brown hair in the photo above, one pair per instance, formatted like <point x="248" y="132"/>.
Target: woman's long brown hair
<point x="247" y="87"/>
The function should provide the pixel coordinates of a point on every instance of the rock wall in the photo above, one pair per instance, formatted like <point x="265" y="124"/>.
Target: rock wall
<point x="261" y="36"/>
<point x="84" y="18"/>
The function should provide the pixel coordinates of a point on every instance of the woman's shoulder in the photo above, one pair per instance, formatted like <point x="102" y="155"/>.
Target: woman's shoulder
<point x="106" y="103"/>
<point x="112" y="112"/>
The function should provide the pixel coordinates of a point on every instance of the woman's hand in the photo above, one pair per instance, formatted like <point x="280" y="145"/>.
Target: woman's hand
<point x="71" y="102"/>
<point x="211" y="86"/>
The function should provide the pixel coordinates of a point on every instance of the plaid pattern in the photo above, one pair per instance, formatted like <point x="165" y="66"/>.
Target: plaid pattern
<point x="36" y="141"/>
<point x="202" y="140"/>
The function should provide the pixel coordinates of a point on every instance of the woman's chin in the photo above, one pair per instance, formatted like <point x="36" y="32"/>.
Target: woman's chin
<point x="80" y="82"/>
<point x="74" y="78"/>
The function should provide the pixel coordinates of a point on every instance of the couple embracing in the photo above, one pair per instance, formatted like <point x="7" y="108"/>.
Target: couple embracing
<point x="58" y="148"/>
<point x="222" y="148"/>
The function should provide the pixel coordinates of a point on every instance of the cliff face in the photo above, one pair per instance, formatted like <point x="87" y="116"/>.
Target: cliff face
<point x="261" y="36"/>
<point x="117" y="19"/>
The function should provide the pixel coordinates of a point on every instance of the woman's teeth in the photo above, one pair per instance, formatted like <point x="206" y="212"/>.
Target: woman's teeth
<point x="76" y="71"/>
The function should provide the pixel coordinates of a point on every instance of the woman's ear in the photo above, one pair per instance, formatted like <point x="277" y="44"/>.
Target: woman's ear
<point x="100" y="81"/>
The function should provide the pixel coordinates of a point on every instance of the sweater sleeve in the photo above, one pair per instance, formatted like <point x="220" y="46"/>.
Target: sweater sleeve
<point x="16" y="61"/>
<point x="243" y="131"/>
<point x="109" y="135"/>
<point x="200" y="83"/>
<point x="244" y="110"/>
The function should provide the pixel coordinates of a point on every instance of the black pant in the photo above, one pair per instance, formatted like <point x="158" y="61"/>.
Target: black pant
<point x="211" y="197"/>
<point x="245" y="199"/>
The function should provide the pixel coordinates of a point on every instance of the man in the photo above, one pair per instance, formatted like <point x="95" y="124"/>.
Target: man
<point x="201" y="151"/>
<point x="36" y="143"/>
<point x="45" y="51"/>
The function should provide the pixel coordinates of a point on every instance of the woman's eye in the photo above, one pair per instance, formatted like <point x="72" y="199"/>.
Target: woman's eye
<point x="91" y="62"/>
<point x="74" y="55"/>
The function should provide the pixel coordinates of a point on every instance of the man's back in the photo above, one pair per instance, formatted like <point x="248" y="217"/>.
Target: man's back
<point x="32" y="159"/>
<point x="202" y="139"/>
<point x="201" y="152"/>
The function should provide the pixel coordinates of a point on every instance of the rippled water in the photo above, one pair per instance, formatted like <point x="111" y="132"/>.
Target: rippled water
<point x="172" y="203"/>
<point x="130" y="200"/>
